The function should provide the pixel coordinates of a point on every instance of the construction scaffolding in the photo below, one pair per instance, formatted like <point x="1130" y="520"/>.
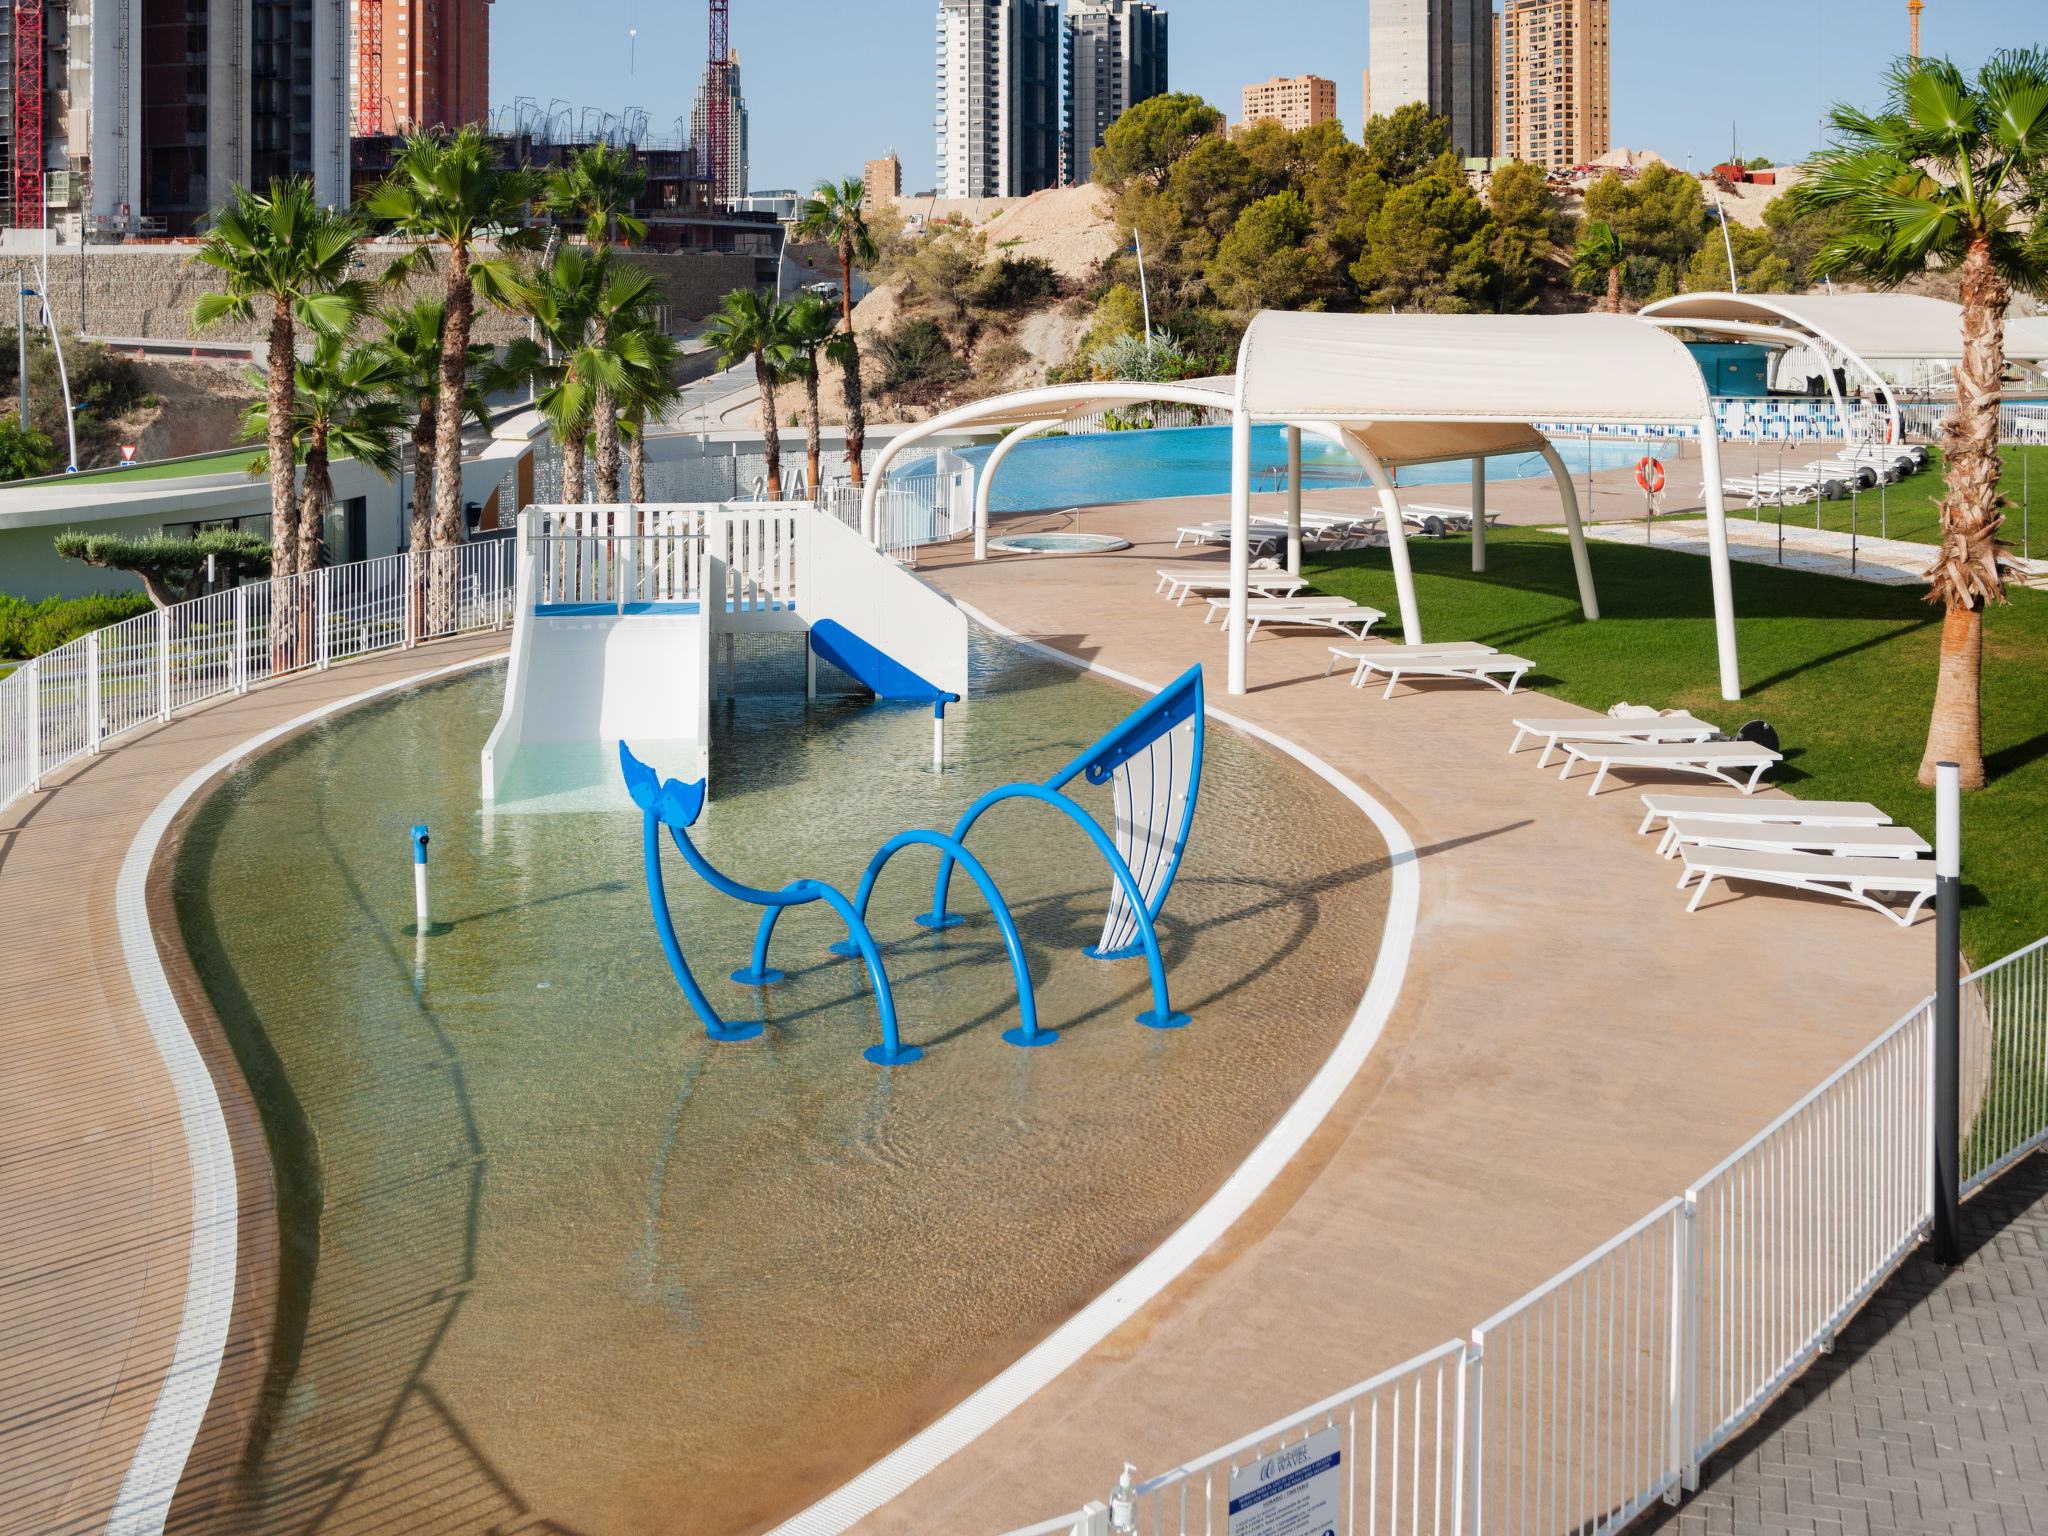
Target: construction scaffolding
<point x="27" y="148"/>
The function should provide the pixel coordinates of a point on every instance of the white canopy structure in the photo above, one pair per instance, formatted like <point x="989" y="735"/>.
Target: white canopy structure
<point x="1853" y="331"/>
<point x="1406" y="389"/>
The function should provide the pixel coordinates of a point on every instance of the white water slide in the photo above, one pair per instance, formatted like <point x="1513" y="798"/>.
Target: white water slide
<point x="616" y="620"/>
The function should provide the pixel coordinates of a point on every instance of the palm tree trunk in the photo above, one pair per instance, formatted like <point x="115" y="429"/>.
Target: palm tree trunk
<point x="1966" y="576"/>
<point x="315" y="492"/>
<point x="811" y="426"/>
<point x="284" y="360"/>
<point x="856" y="422"/>
<point x="604" y="434"/>
<point x="1614" y="290"/>
<point x="572" y="466"/>
<point x="771" y="440"/>
<point x="459" y="307"/>
<point x="636" y="461"/>
<point x="420" y="535"/>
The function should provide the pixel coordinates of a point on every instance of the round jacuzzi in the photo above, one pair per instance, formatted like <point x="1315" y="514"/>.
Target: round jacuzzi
<point x="1059" y="543"/>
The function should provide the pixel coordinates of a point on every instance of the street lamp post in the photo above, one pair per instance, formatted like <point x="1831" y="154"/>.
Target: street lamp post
<point x="1144" y="293"/>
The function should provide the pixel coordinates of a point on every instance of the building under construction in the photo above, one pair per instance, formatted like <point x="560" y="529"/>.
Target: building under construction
<point x="135" y="116"/>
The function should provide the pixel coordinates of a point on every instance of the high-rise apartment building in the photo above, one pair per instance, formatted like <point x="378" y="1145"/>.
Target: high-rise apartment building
<point x="734" y="182"/>
<point x="1116" y="58"/>
<point x="147" y="118"/>
<point x="881" y="180"/>
<point x="419" y="64"/>
<point x="1553" y="97"/>
<point x="1299" y="102"/>
<point x="999" y="89"/>
<point x="1439" y="53"/>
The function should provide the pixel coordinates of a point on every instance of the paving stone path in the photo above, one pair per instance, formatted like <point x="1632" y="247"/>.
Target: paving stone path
<point x="1932" y="1412"/>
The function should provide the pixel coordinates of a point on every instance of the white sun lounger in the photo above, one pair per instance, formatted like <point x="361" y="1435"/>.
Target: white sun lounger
<point x="1219" y="533"/>
<point x="1715" y="759"/>
<point x="1850" y="879"/>
<point x="1610" y="728"/>
<point x="1182" y="584"/>
<point x="1320" y="612"/>
<point x="1818" y="813"/>
<point x="1354" y="653"/>
<point x="1781" y="837"/>
<point x="1476" y="668"/>
<point x="1417" y="515"/>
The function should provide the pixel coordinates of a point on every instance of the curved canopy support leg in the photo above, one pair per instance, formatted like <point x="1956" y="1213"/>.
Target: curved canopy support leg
<point x="1582" y="564"/>
<point x="988" y="475"/>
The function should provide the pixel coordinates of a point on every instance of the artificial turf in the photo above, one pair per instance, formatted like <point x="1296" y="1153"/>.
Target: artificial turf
<point x="1843" y="669"/>
<point x="1911" y="509"/>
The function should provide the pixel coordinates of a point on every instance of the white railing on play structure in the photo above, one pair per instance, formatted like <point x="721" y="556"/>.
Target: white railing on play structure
<point x="616" y="556"/>
<point x="66" y="703"/>
<point x="1603" y="1390"/>
<point x="912" y="509"/>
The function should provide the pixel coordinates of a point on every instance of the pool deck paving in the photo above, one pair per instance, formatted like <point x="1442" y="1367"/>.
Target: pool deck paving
<point x="1570" y="1048"/>
<point x="96" y="1199"/>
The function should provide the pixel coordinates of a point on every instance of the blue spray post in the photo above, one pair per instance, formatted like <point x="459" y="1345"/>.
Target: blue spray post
<point x="419" y="880"/>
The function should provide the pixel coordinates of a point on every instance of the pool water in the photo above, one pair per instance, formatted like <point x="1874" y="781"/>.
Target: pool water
<point x="1097" y="467"/>
<point x="552" y="1260"/>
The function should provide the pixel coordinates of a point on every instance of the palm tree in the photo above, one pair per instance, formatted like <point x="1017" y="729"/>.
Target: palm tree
<point x="812" y="326"/>
<point x="599" y="187"/>
<point x="343" y="404"/>
<point x="450" y="191"/>
<point x="833" y="212"/>
<point x="649" y="389"/>
<point x="1951" y="173"/>
<point x="287" y="249"/>
<point x="620" y="309"/>
<point x="411" y="344"/>
<point x="565" y="293"/>
<point x="750" y="324"/>
<point x="1601" y="258"/>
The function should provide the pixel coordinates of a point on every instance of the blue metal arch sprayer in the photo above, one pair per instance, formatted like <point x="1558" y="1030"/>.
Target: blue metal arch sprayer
<point x="1153" y="762"/>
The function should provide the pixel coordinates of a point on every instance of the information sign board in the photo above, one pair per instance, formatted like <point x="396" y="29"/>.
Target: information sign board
<point x="1294" y="1492"/>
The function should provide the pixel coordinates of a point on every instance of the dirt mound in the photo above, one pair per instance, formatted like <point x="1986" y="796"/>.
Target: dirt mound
<point x="1072" y="228"/>
<point x="199" y="410"/>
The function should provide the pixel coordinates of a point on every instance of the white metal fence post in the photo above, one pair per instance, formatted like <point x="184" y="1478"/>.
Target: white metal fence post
<point x="92" y="693"/>
<point x="163" y="663"/>
<point x="1685" y="1299"/>
<point x="240" y="673"/>
<point x="1464" y="1452"/>
<point x="411" y="600"/>
<point x="322" y="595"/>
<point x="34" y="687"/>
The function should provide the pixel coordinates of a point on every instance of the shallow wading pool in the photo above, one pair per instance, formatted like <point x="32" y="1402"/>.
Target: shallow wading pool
<point x="549" y="1254"/>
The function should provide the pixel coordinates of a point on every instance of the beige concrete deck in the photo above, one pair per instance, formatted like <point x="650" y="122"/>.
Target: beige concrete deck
<point x="1571" y="1049"/>
<point x="95" y="1193"/>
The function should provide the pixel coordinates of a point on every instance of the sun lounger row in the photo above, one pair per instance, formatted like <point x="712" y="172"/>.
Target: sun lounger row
<point x="1435" y="521"/>
<point x="1180" y="582"/>
<point x="1275" y="600"/>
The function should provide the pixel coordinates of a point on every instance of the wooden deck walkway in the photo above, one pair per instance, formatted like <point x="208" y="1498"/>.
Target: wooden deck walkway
<point x="1571" y="1048"/>
<point x="95" y="1183"/>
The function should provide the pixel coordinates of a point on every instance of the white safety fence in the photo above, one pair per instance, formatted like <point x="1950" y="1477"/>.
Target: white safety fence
<point x="1604" y="1389"/>
<point x="611" y="556"/>
<point x="912" y="510"/>
<point x="66" y="703"/>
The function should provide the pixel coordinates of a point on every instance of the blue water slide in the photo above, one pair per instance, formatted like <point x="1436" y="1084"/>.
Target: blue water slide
<point x="877" y="671"/>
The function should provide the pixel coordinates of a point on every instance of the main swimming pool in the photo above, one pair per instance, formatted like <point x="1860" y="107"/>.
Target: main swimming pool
<point x="551" y="1260"/>
<point x="1195" y="461"/>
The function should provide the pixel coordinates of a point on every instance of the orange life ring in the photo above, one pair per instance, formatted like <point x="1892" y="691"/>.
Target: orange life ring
<point x="1649" y="474"/>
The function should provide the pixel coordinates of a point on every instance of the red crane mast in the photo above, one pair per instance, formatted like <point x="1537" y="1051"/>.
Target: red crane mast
<point x="28" y="114"/>
<point x="370" y="66"/>
<point x="718" y="108"/>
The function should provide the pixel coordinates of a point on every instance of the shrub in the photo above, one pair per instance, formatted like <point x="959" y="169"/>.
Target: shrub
<point x="24" y="452"/>
<point x="29" y="629"/>
<point x="1010" y="283"/>
<point x="914" y="354"/>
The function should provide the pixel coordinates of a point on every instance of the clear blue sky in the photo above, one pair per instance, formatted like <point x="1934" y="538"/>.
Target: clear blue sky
<point x="830" y="83"/>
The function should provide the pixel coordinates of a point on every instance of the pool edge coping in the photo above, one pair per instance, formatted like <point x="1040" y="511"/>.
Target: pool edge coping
<point x="1043" y="1364"/>
<point x="156" y="1470"/>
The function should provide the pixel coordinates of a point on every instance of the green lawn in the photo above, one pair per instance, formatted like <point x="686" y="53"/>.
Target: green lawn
<point x="232" y="462"/>
<point x="1910" y="510"/>
<point x="1843" y="669"/>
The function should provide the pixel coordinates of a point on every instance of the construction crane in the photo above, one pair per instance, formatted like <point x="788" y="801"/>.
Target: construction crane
<point x="718" y="109"/>
<point x="28" y="115"/>
<point x="1913" y="10"/>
